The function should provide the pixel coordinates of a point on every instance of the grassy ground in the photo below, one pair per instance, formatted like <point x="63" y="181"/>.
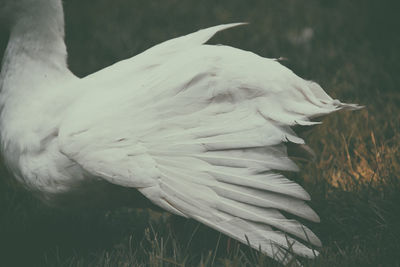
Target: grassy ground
<point x="351" y="49"/>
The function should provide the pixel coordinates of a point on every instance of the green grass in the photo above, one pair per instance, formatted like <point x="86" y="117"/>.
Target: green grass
<point x="354" y="182"/>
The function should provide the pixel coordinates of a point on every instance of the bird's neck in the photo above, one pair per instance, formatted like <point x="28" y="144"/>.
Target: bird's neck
<point x="34" y="67"/>
<point x="39" y="39"/>
<point x="36" y="50"/>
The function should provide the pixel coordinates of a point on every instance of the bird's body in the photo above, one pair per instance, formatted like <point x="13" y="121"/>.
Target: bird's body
<point x="197" y="129"/>
<point x="32" y="99"/>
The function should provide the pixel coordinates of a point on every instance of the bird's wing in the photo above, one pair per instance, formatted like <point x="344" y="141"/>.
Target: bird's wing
<point x="155" y="55"/>
<point x="202" y="135"/>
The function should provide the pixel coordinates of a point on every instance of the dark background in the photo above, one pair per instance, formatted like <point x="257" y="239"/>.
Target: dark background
<point x="353" y="53"/>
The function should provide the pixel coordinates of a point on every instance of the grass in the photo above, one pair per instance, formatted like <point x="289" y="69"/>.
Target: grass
<point x="354" y="182"/>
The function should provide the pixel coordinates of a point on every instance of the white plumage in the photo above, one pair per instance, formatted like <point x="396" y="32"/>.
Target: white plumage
<point x="197" y="129"/>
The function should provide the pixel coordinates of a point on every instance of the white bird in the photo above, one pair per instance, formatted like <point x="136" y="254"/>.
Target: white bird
<point x="199" y="130"/>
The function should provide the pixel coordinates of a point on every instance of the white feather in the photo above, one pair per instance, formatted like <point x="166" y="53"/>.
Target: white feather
<point x="197" y="129"/>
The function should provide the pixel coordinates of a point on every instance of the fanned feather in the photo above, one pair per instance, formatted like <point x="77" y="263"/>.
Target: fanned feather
<point x="200" y="131"/>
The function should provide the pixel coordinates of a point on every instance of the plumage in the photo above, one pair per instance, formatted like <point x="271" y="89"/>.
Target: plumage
<point x="200" y="130"/>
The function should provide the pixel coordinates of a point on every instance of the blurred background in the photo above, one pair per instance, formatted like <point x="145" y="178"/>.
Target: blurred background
<point x="351" y="48"/>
